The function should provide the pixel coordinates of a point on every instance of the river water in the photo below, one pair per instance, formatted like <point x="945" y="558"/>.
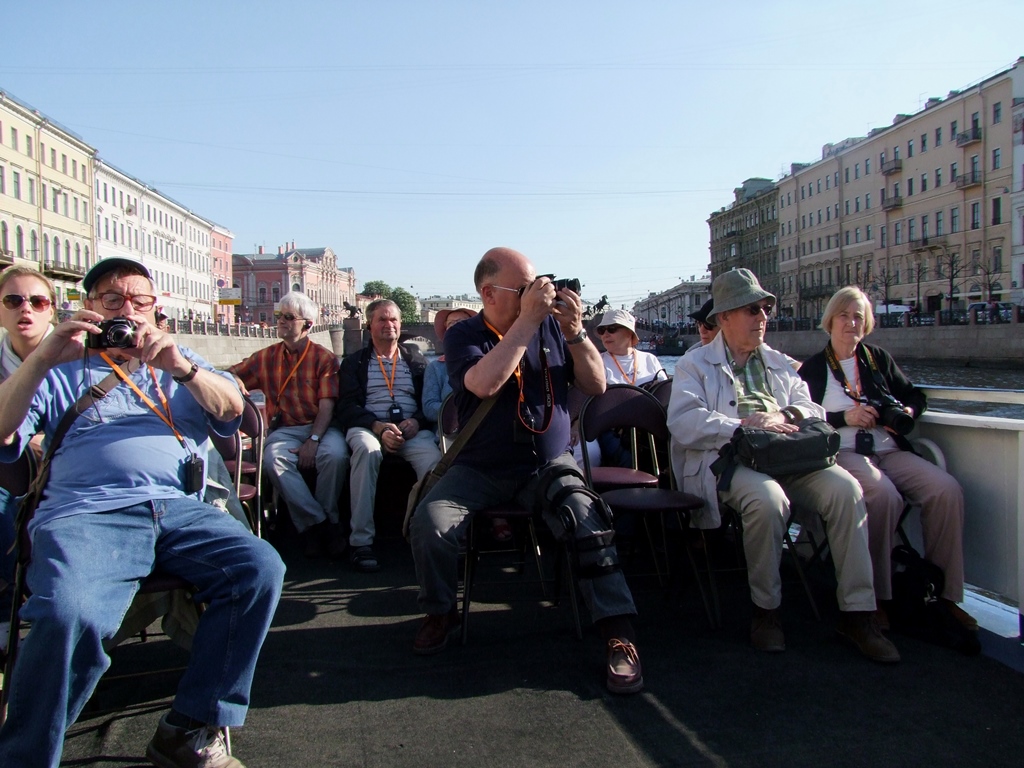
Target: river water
<point x="951" y="376"/>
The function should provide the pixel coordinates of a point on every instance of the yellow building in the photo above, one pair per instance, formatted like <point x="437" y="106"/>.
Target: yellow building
<point x="915" y="213"/>
<point x="46" y="201"/>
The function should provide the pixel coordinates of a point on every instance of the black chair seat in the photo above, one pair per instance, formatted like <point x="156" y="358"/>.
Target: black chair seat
<point x="610" y="478"/>
<point x="651" y="500"/>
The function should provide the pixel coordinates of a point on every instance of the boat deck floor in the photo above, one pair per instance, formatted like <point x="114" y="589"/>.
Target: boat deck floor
<point x="338" y="685"/>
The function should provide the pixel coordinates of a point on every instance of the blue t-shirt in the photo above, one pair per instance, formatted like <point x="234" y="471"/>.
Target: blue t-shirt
<point x="493" y="445"/>
<point x="119" y="452"/>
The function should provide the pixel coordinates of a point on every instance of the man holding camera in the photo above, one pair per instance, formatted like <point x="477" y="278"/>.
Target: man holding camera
<point x="737" y="380"/>
<point x="124" y="498"/>
<point x="380" y="411"/>
<point x="524" y="349"/>
<point x="299" y="381"/>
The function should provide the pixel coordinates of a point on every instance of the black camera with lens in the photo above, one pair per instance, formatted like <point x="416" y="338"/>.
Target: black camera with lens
<point x="572" y="283"/>
<point x="116" y="333"/>
<point x="891" y="414"/>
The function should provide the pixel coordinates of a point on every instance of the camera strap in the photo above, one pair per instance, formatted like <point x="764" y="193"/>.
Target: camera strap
<point x="165" y="416"/>
<point x="290" y="376"/>
<point x="840" y="376"/>
<point x="549" y="400"/>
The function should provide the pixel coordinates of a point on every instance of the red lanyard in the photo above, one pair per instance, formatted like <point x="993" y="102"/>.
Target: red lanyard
<point x="167" y="419"/>
<point x="548" y="398"/>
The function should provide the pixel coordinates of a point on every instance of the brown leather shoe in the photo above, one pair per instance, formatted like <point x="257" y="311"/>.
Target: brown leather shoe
<point x="432" y="635"/>
<point x="766" y="631"/>
<point x="967" y="621"/>
<point x="624" y="672"/>
<point x="861" y="629"/>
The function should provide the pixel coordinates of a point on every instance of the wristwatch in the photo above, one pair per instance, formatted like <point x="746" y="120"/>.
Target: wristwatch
<point x="188" y="376"/>
<point x="315" y="438"/>
<point x="579" y="338"/>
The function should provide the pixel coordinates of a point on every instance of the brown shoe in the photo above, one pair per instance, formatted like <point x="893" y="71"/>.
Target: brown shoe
<point x="624" y="672"/>
<point x="766" y="631"/>
<point x="967" y="621"/>
<point x="882" y="619"/>
<point x="861" y="629"/>
<point x="313" y="541"/>
<point x="432" y="636"/>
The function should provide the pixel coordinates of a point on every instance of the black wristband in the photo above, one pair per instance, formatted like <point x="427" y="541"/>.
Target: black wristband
<point x="188" y="376"/>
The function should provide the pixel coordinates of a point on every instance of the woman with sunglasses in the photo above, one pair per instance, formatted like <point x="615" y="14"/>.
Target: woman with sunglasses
<point x="873" y="405"/>
<point x="623" y="364"/>
<point x="27" y="301"/>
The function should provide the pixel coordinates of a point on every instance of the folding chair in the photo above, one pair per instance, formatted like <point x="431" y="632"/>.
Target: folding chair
<point x="482" y="519"/>
<point x="246" y="473"/>
<point x="623" y="406"/>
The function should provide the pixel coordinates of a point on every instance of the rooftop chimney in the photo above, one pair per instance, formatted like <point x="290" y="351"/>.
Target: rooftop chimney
<point x="261" y="250"/>
<point x="280" y="250"/>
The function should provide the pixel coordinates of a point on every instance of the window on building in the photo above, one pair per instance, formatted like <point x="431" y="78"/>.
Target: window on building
<point x="938" y="137"/>
<point x="867" y="201"/>
<point x="924" y="226"/>
<point x="997" y="258"/>
<point x="64" y="163"/>
<point x="847" y="236"/>
<point x="952" y="130"/>
<point x="938" y="224"/>
<point x="975" y="215"/>
<point x="16" y="185"/>
<point x="997" y="210"/>
<point x="924" y="142"/>
<point x="867" y="232"/>
<point x="912" y="229"/>
<point x="53" y="158"/>
<point x="895" y="153"/>
<point x="924" y="182"/>
<point x="898" y="233"/>
<point x="856" y="204"/>
<point x="846" y="174"/>
<point x="856" y="235"/>
<point x="938" y="177"/>
<point x="846" y="207"/>
<point x="997" y="159"/>
<point x="952" y="172"/>
<point x="3" y="184"/>
<point x="954" y="219"/>
<point x="835" y="179"/>
<point x="28" y="146"/>
<point x="14" y="139"/>
<point x="910" y="187"/>
<point x="910" y="148"/>
<point x="867" y="166"/>
<point x="819" y="186"/>
<point x="896" y="189"/>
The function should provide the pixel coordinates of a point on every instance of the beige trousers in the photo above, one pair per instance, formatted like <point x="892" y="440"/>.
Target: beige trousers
<point x="764" y="503"/>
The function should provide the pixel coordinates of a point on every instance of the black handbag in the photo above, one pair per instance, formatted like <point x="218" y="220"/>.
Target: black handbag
<point x="778" y="454"/>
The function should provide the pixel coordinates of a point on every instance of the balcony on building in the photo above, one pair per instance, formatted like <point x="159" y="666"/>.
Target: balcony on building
<point x="892" y="166"/>
<point x="62" y="270"/>
<point x="969" y="137"/>
<point x="817" y="292"/>
<point x="892" y="202"/>
<point x="925" y="243"/>
<point x="6" y="258"/>
<point x="971" y="179"/>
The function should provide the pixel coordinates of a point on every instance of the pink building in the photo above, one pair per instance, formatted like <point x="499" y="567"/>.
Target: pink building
<point x="265" y="277"/>
<point x="221" y="240"/>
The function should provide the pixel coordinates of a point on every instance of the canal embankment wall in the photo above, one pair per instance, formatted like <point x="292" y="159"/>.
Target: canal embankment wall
<point x="990" y="346"/>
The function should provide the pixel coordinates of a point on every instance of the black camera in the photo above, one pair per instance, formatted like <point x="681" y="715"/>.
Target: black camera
<point x="572" y="283"/>
<point x="395" y="415"/>
<point x="117" y="333"/>
<point x="891" y="415"/>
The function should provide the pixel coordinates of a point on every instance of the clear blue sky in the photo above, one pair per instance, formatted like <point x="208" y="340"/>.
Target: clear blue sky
<point x="596" y="137"/>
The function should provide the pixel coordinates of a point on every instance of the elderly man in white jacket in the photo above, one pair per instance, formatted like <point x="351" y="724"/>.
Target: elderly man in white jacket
<point x="736" y="380"/>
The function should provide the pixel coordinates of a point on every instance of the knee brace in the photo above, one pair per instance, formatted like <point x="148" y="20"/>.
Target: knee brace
<point x="579" y="517"/>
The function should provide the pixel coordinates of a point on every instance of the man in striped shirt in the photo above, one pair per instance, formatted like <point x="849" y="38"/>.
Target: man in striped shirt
<point x="299" y="379"/>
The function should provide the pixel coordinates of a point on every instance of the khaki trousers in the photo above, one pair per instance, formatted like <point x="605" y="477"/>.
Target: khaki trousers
<point x="764" y="505"/>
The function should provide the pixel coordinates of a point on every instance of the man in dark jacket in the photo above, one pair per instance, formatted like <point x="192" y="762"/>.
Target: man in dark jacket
<point x="379" y="409"/>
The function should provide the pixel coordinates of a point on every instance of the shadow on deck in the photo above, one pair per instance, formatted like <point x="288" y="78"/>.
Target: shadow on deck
<point x="337" y="685"/>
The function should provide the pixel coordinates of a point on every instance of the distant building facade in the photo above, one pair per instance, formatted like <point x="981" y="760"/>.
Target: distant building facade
<point x="671" y="308"/>
<point x="46" y="200"/>
<point x="265" y="277"/>
<point x="917" y="213"/>
<point x="746" y="234"/>
<point x="221" y="241"/>
<point x="429" y="307"/>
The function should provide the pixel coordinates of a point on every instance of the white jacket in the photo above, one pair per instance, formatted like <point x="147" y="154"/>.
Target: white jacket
<point x="702" y="415"/>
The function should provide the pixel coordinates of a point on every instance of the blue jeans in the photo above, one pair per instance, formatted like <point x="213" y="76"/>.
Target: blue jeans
<point x="442" y="517"/>
<point x="85" y="570"/>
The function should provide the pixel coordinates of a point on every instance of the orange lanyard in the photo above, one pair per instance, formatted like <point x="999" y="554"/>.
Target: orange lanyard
<point x="288" y="378"/>
<point x="394" y="368"/>
<point x="632" y="379"/>
<point x="518" y="372"/>
<point x="167" y="419"/>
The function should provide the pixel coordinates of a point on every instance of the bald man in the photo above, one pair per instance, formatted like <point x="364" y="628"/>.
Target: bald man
<point x="526" y="347"/>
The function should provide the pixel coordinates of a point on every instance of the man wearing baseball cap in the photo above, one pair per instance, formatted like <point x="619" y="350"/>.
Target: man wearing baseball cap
<point x="738" y="380"/>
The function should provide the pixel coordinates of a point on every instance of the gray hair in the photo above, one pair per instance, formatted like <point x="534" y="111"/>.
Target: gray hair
<point x="299" y="304"/>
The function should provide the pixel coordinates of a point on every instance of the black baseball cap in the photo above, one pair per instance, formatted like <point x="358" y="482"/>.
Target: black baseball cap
<point x="106" y="266"/>
<point x="701" y="315"/>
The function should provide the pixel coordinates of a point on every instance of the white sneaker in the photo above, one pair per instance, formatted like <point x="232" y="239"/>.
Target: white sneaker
<point x="204" y="747"/>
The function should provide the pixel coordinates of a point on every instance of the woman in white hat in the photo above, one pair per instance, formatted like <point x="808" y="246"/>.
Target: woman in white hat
<point x="623" y="362"/>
